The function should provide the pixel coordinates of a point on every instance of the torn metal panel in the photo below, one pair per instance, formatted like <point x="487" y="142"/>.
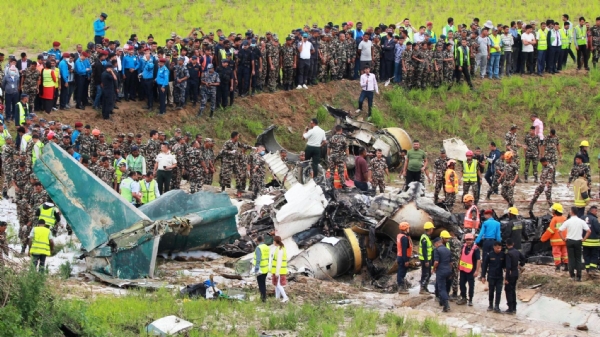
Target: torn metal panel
<point x="324" y="261"/>
<point x="383" y="146"/>
<point x="280" y="170"/>
<point x="362" y="135"/>
<point x="456" y="149"/>
<point x="168" y="326"/>
<point x="305" y="205"/>
<point x="267" y="138"/>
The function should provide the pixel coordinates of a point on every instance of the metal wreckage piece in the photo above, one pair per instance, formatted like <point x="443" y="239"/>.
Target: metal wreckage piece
<point x="120" y="240"/>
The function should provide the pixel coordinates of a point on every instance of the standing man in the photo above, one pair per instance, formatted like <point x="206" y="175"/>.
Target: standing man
<point x="337" y="152"/>
<point x="580" y="39"/>
<point x="439" y="167"/>
<point x="484" y="51"/>
<point x="595" y="34"/>
<point x="514" y="259"/>
<point x="426" y="256"/>
<point x="511" y="143"/>
<point x="581" y="193"/>
<point x="470" y="176"/>
<point x="41" y="245"/>
<point x="462" y="61"/>
<point x="361" y="172"/>
<point x="415" y="164"/>
<point x="578" y="169"/>
<point x="469" y="266"/>
<point x="545" y="183"/>
<point x="559" y="248"/>
<point x="226" y="80"/>
<point x="555" y="46"/>
<point x="509" y="176"/>
<point x="532" y="153"/>
<point x="257" y="182"/>
<point x="575" y="228"/>
<point x="552" y="149"/>
<point x="181" y="77"/>
<point x="305" y="52"/>
<point x="149" y="188"/>
<point x="100" y="28"/>
<point x="442" y="267"/>
<point x="528" y="41"/>
<point x="493" y="161"/>
<point x="542" y="47"/>
<point x="108" y="81"/>
<point x="365" y="52"/>
<point x="260" y="261"/>
<point x="163" y="168"/>
<point x="490" y="232"/>
<point x="493" y="265"/>
<point x="450" y="185"/>
<point x="591" y="246"/>
<point x="404" y="248"/>
<point x="208" y="86"/>
<point x="162" y="82"/>
<point x="368" y="84"/>
<point x="315" y="138"/>
<point x="148" y="78"/>
<point x="288" y="63"/>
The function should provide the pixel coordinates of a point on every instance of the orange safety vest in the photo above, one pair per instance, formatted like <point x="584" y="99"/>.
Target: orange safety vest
<point x="472" y="223"/>
<point x="399" y="245"/>
<point x="450" y="187"/>
<point x="466" y="260"/>
<point x="552" y="232"/>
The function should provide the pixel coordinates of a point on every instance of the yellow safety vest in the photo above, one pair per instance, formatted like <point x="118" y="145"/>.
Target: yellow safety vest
<point x="40" y="145"/>
<point x="542" y="40"/>
<point x="449" y="187"/>
<point x="21" y="113"/>
<point x="47" y="78"/>
<point x="264" y="258"/>
<point x="497" y="41"/>
<point x="470" y="173"/>
<point x="283" y="268"/>
<point x="579" y="202"/>
<point x="581" y="35"/>
<point x="125" y="189"/>
<point x="118" y="172"/>
<point x="56" y="84"/>
<point x="3" y="137"/>
<point x="565" y="37"/>
<point x="47" y="215"/>
<point x="429" y="247"/>
<point x="40" y="245"/>
<point x="148" y="194"/>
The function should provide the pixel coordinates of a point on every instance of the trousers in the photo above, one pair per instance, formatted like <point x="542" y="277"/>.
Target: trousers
<point x="412" y="176"/>
<point x="314" y="153"/>
<point x="482" y="62"/>
<point x="574" y="254"/>
<point x="583" y="55"/>
<point x="425" y="273"/>
<point x="39" y="259"/>
<point x="511" y="292"/>
<point x="163" y="179"/>
<point x="541" y="61"/>
<point x="467" y="278"/>
<point x="590" y="257"/>
<point x="262" y="286"/>
<point x="401" y="274"/>
<point x="441" y="284"/>
<point x="366" y="95"/>
<point x="303" y="71"/>
<point x="559" y="253"/>
<point x="495" y="291"/>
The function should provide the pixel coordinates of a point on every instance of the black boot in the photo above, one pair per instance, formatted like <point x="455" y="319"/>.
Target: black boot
<point x="446" y="307"/>
<point x="565" y="267"/>
<point x="23" y="249"/>
<point x="199" y="113"/>
<point x="489" y="195"/>
<point x="557" y="267"/>
<point x="212" y="112"/>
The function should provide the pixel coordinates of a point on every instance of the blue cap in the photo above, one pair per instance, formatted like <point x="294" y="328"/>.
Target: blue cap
<point x="24" y="95"/>
<point x="304" y="35"/>
<point x="194" y="57"/>
<point x="245" y="43"/>
<point x="224" y="61"/>
<point x="221" y="38"/>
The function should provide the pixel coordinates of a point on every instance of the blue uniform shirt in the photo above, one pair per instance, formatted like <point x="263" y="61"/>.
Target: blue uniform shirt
<point x="129" y="62"/>
<point x="162" y="77"/>
<point x="99" y="27"/>
<point x="57" y="54"/>
<point x="63" y="66"/>
<point x="444" y="258"/>
<point x="80" y="67"/>
<point x="490" y="229"/>
<point x="148" y="69"/>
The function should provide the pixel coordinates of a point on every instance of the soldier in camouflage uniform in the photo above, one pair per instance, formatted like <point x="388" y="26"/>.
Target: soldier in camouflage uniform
<point x="9" y="164"/>
<point x="208" y="162"/>
<point x="449" y="67"/>
<point x="428" y="58"/>
<point x="228" y="156"/>
<point x="532" y="153"/>
<point x="351" y="53"/>
<point x="263" y="71"/>
<point x="595" y="33"/>
<point x="438" y="65"/>
<point x="407" y="66"/>
<point x="181" y="76"/>
<point x="106" y="172"/>
<point x="418" y="58"/>
<point x="208" y="88"/>
<point x="29" y="82"/>
<point x="455" y="249"/>
<point x="21" y="180"/>
<point x="85" y="141"/>
<point x="545" y="183"/>
<point x="341" y="57"/>
<point x="512" y="145"/>
<point x="474" y="50"/>
<point x="377" y="52"/>
<point x="258" y="171"/>
<point x="439" y="167"/>
<point x="577" y="169"/>
<point x="101" y="147"/>
<point x="273" y="71"/>
<point x="552" y="149"/>
<point x="178" y="151"/>
<point x="288" y="63"/>
<point x="94" y="57"/>
<point x="509" y="177"/>
<point x="194" y="156"/>
<point x="378" y="168"/>
<point x="337" y="151"/>
<point x="24" y="214"/>
<point x="498" y="169"/>
<point x="241" y="166"/>
<point x="151" y="149"/>
<point x="3" y="243"/>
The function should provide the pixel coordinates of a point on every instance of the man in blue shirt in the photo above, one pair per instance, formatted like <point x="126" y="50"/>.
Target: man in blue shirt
<point x="442" y="267"/>
<point x="398" y="50"/>
<point x="162" y="82"/>
<point x="490" y="232"/>
<point x="491" y="169"/>
<point x="82" y="71"/>
<point x="147" y="62"/>
<point x="55" y="51"/>
<point x="130" y="74"/>
<point x="63" y="66"/>
<point x="100" y="28"/>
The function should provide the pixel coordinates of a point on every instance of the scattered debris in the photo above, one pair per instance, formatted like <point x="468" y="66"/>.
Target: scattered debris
<point x="582" y="327"/>
<point x="168" y="326"/>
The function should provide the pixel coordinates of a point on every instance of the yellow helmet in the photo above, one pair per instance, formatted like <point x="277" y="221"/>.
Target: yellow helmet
<point x="557" y="207"/>
<point x="513" y="211"/>
<point x="428" y="225"/>
<point x="584" y="143"/>
<point x="445" y="234"/>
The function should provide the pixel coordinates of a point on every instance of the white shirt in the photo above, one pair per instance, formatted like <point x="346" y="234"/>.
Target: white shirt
<point x="556" y="34"/>
<point x="575" y="227"/>
<point x="527" y="37"/>
<point x="368" y="82"/>
<point x="365" y="50"/>
<point x="540" y="128"/>
<point x="306" y="48"/>
<point x="419" y="37"/>
<point x="314" y="137"/>
<point x="165" y="159"/>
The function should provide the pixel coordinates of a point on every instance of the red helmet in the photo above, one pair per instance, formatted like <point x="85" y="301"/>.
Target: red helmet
<point x="469" y="153"/>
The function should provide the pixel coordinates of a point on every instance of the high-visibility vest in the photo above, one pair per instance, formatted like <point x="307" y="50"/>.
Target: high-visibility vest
<point x="429" y="247"/>
<point x="579" y="201"/>
<point x="47" y="78"/>
<point x="447" y="29"/>
<point x="264" y="258"/>
<point x="47" y="214"/>
<point x="399" y="245"/>
<point x="57" y="71"/>
<point x="21" y="113"/>
<point x="581" y="35"/>
<point x="450" y="187"/>
<point x="40" y="245"/>
<point x="542" y="40"/>
<point x="40" y="145"/>
<point x="472" y="223"/>
<point x="497" y="41"/>
<point x="148" y="193"/>
<point x="551" y="232"/>
<point x="125" y="189"/>
<point x="283" y="267"/>
<point x="466" y="260"/>
<point x="3" y="137"/>
<point x="118" y="172"/>
<point x="470" y="172"/>
<point x="565" y="37"/>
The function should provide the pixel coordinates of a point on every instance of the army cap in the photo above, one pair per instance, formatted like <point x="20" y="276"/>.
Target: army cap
<point x="513" y="127"/>
<point x="177" y="138"/>
<point x="160" y="133"/>
<point x="66" y="127"/>
<point x="115" y="141"/>
<point x="51" y="123"/>
<point x="178" y="130"/>
<point x="130" y="135"/>
<point x="288" y="38"/>
<point x="187" y="134"/>
<point x="442" y="151"/>
<point x="122" y="164"/>
<point x="208" y="140"/>
<point x="121" y="135"/>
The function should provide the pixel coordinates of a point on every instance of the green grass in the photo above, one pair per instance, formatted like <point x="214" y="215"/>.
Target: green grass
<point x="70" y="21"/>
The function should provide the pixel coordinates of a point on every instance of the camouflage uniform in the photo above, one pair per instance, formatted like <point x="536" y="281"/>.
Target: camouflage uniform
<point x="595" y="33"/>
<point x="377" y="52"/>
<point x="455" y="249"/>
<point x="409" y="72"/>
<point x="474" y="50"/>
<point x="228" y="155"/>
<point x="29" y="153"/>
<point x="258" y="174"/>
<point x="341" y="58"/>
<point x="498" y="169"/>
<point x="448" y="67"/>
<point x="578" y="169"/>
<point x="338" y="144"/>
<point x="25" y="216"/>
<point x="419" y="73"/>
<point x="179" y="88"/>
<point x="350" y="48"/>
<point x="179" y="152"/>
<point x="37" y="199"/>
<point x="208" y="156"/>
<point x="93" y="59"/>
<point x="328" y="66"/>
<point x="194" y="169"/>
<point x="273" y="53"/>
<point x="241" y="166"/>
<point x="21" y="179"/>
<point x="263" y="72"/>
<point x="551" y="154"/>
<point x="30" y="84"/>
<point x="150" y="152"/>
<point x="209" y="92"/>
<point x="106" y="175"/>
<point x="532" y="154"/>
<point x="428" y="71"/>
<point x="510" y="139"/>
<point x="438" y="75"/>
<point x="510" y="171"/>
<point x="439" y="167"/>
<point x="102" y="148"/>
<point x="9" y="166"/>
<point x="545" y="178"/>
<point x="378" y="167"/>
<point x="288" y="57"/>
<point x="85" y="145"/>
